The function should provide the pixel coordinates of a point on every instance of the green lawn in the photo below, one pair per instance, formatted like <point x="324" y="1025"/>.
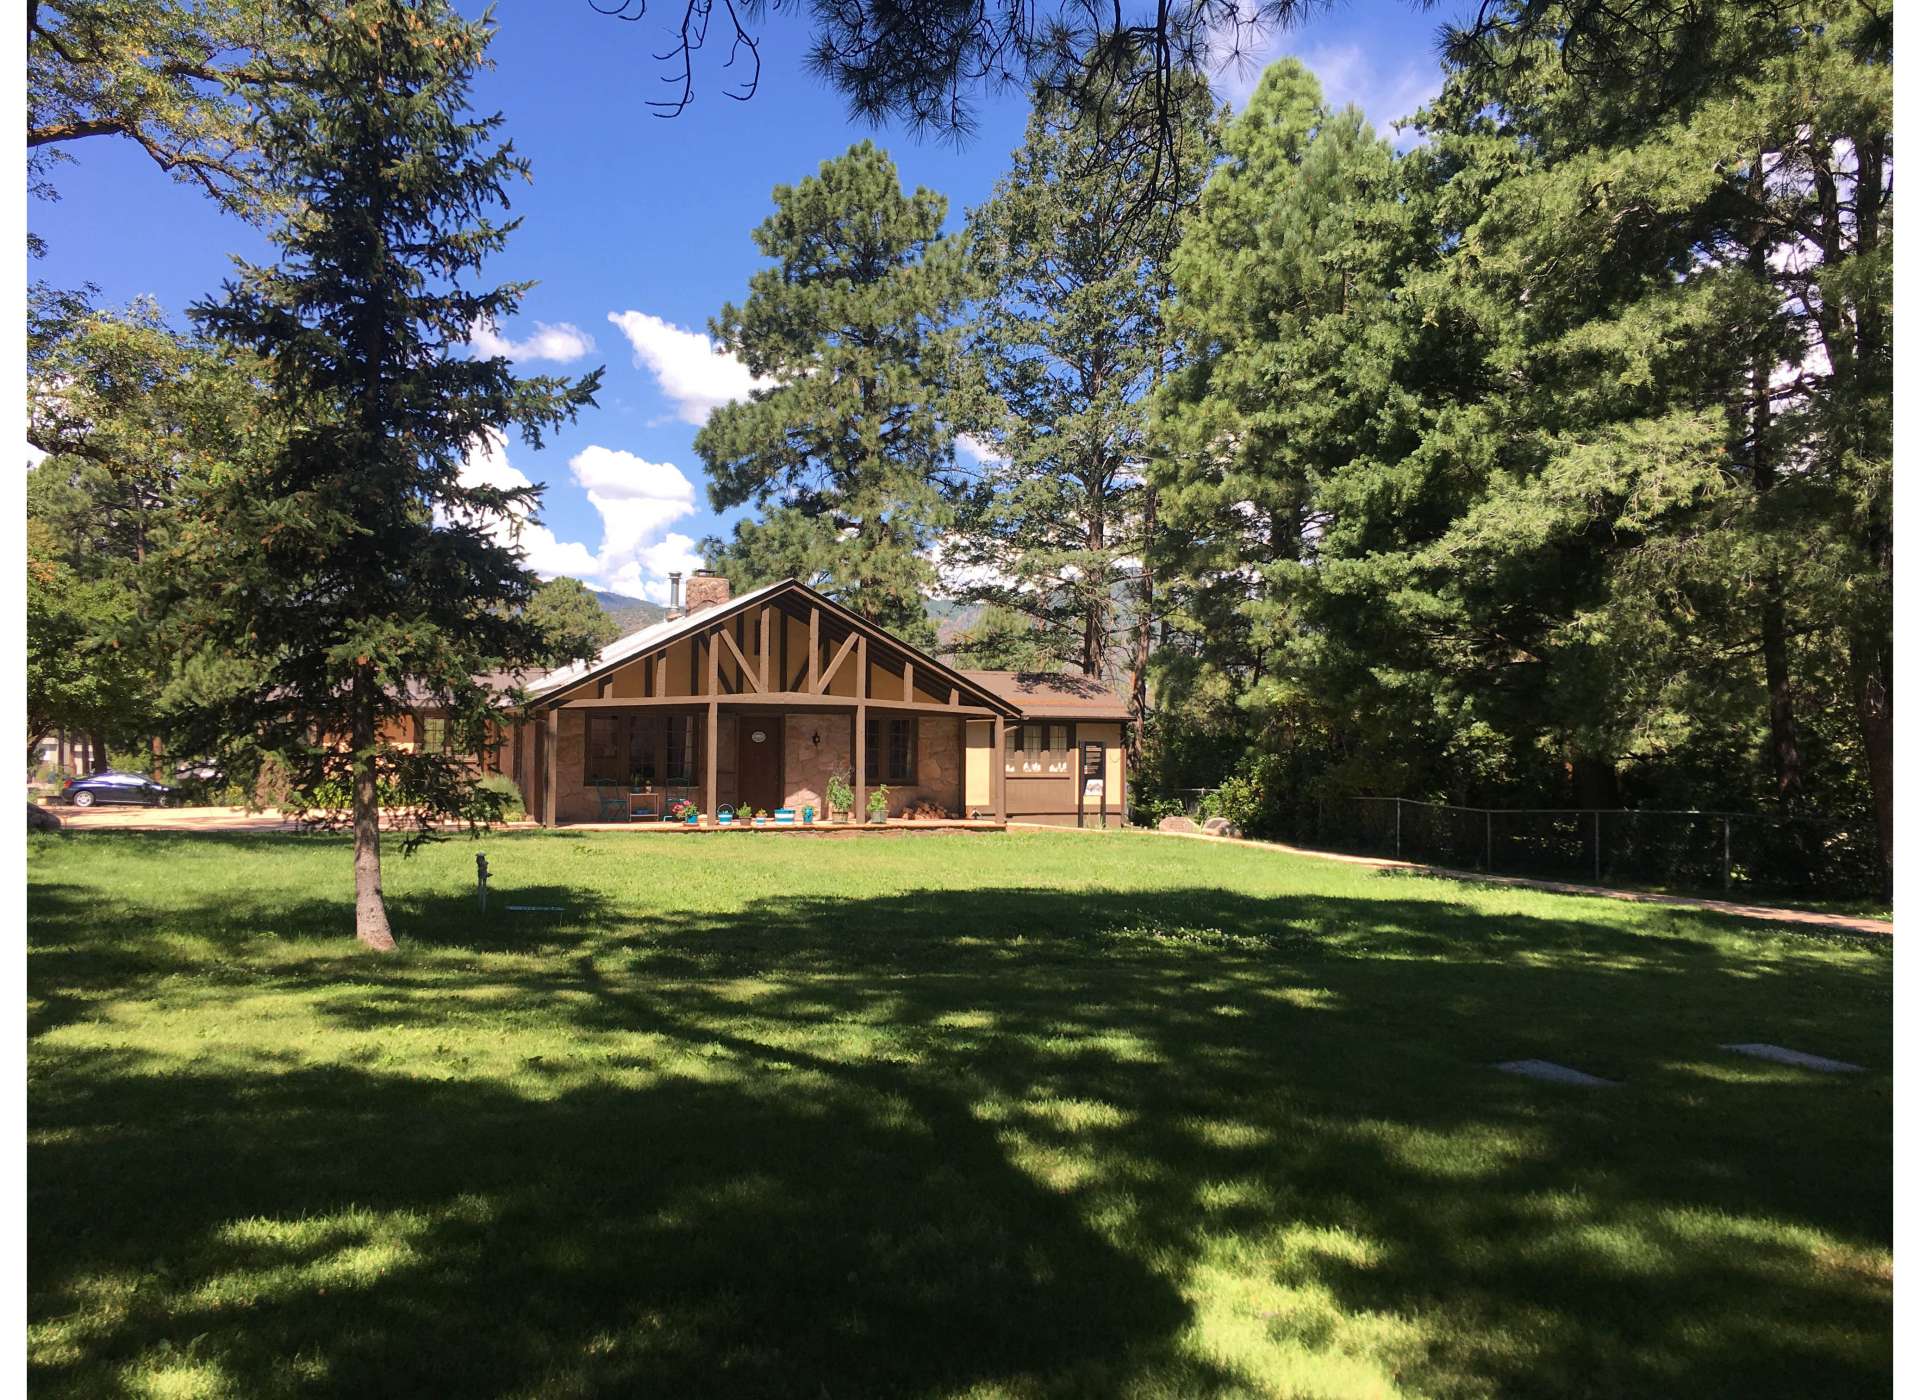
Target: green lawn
<point x="933" y="1115"/>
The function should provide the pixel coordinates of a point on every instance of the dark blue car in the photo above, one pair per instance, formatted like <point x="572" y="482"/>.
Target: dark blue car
<point x="114" y="787"/>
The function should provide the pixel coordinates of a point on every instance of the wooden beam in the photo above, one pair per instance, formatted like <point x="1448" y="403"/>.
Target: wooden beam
<point x="782" y="699"/>
<point x="659" y="690"/>
<point x="906" y="681"/>
<point x="846" y="649"/>
<point x="813" y="649"/>
<point x="766" y="649"/>
<point x="713" y="668"/>
<point x="860" y="660"/>
<point x="746" y="671"/>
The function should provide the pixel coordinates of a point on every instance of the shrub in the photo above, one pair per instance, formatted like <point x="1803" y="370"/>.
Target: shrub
<point x="840" y="792"/>
<point x="1257" y="797"/>
<point x="513" y="806"/>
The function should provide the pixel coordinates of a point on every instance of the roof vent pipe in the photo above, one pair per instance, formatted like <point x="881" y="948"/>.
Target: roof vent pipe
<point x="673" y="594"/>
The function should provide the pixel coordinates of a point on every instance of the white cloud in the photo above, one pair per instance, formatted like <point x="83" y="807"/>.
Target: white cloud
<point x="689" y="368"/>
<point x="980" y="450"/>
<point x="560" y="343"/>
<point x="636" y="500"/>
<point x="1347" y="73"/>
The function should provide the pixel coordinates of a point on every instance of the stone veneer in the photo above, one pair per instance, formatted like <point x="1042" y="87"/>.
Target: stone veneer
<point x="941" y="761"/>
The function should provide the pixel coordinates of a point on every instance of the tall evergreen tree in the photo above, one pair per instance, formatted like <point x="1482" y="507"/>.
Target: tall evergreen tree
<point x="353" y="576"/>
<point x="1295" y="371"/>
<point x="846" y="452"/>
<point x="1062" y="348"/>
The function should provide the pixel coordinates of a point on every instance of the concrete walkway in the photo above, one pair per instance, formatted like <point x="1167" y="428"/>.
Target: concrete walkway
<point x="1841" y="923"/>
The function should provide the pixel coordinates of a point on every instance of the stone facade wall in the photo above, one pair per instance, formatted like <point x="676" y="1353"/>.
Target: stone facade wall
<point x="808" y="768"/>
<point x="575" y="801"/>
<point x="940" y="762"/>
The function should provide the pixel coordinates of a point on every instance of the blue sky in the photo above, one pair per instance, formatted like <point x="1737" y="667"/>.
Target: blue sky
<point x="637" y="229"/>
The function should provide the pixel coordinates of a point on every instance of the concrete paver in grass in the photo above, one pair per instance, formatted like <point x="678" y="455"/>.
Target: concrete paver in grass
<point x="1780" y="1054"/>
<point x="1556" y="1074"/>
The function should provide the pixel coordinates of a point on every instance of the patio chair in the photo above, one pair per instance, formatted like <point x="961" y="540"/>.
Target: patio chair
<point x="613" y="802"/>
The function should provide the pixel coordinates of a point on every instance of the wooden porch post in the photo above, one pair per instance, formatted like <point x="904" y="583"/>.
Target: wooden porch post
<point x="711" y="803"/>
<point x="552" y="775"/>
<point x="860" y="728"/>
<point x="997" y="768"/>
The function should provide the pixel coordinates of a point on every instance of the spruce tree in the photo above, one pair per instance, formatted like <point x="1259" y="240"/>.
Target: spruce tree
<point x="352" y="579"/>
<point x="847" y="452"/>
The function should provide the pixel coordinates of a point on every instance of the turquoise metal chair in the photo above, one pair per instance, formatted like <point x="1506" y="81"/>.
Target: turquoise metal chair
<point x="613" y="802"/>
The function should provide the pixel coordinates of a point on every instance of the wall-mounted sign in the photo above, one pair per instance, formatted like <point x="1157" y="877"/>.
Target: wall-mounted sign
<point x="1096" y="789"/>
<point x="759" y="736"/>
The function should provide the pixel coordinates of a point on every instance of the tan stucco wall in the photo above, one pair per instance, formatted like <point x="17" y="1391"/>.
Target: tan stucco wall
<point x="978" y="793"/>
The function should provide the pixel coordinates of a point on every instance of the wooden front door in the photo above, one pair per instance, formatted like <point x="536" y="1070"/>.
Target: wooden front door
<point x="762" y="770"/>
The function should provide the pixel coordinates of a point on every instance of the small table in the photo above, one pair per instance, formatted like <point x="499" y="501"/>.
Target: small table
<point x="649" y="804"/>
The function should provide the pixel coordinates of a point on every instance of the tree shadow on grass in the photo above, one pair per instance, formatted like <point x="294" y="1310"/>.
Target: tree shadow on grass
<point x="330" y="1230"/>
<point x="932" y="1138"/>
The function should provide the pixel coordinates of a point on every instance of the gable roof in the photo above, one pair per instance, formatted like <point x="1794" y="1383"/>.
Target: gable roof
<point x="647" y="640"/>
<point x="1053" y="695"/>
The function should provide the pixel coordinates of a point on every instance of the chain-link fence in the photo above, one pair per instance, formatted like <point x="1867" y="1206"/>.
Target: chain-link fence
<point x="1735" y="853"/>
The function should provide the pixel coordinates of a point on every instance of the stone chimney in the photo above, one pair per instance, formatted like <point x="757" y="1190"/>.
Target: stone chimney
<point x="706" y="589"/>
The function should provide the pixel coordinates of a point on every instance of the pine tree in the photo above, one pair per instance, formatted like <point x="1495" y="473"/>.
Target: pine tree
<point x="1062" y="348"/>
<point x="352" y="578"/>
<point x="847" y="451"/>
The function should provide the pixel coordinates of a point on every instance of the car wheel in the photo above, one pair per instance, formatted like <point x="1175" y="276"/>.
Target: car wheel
<point x="83" y="799"/>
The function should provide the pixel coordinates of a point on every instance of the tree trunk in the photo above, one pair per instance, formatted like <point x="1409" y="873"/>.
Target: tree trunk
<point x="97" y="755"/>
<point x="1870" y="668"/>
<point x="1784" y="742"/>
<point x="369" y="904"/>
<point x="1143" y="629"/>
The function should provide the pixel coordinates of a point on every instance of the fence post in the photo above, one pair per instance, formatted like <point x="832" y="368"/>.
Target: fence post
<point x="1596" y="846"/>
<point x="1726" y="855"/>
<point x="1489" y="840"/>
<point x="1396" y="828"/>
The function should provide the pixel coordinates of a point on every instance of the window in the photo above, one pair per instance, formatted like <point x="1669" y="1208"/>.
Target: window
<point x="680" y="750"/>
<point x="433" y="734"/>
<point x="603" y="749"/>
<point x="651" y="750"/>
<point x="890" y="750"/>
<point x="1039" y="749"/>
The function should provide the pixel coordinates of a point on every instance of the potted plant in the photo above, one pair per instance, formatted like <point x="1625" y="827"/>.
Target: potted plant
<point x="877" y="806"/>
<point x="840" y="796"/>
<point x="758" y="818"/>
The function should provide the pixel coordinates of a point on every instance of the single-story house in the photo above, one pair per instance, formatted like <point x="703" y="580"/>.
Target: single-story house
<point x="756" y="700"/>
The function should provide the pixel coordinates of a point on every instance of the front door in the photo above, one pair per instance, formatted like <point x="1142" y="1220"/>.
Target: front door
<point x="761" y="769"/>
